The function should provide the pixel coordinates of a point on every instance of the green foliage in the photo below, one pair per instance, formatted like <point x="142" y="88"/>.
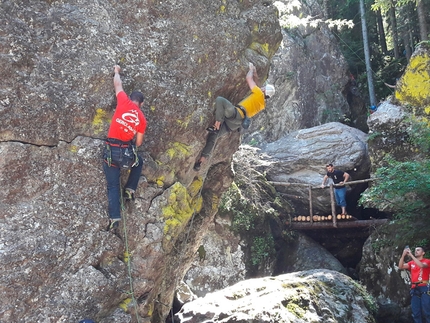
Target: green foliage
<point x="262" y="249"/>
<point x="404" y="188"/>
<point x="369" y="301"/>
<point x="254" y="207"/>
<point x="385" y="5"/>
<point x="419" y="135"/>
<point x="244" y="213"/>
<point x="389" y="71"/>
<point x="378" y="244"/>
<point x="329" y="115"/>
<point x="253" y="142"/>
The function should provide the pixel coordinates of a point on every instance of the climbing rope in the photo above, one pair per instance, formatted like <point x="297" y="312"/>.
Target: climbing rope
<point x="127" y="253"/>
<point x="192" y="219"/>
<point x="198" y="194"/>
<point x="123" y="216"/>
<point x="191" y="223"/>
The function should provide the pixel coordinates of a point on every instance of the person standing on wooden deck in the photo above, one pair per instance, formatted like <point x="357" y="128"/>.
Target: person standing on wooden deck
<point x="338" y="177"/>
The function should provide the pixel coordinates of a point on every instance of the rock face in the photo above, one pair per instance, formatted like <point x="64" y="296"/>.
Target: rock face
<point x="300" y="157"/>
<point x="310" y="75"/>
<point x="388" y="133"/>
<point x="308" y="255"/>
<point x="56" y="100"/>
<point x="389" y="124"/>
<point x="307" y="296"/>
<point x="219" y="262"/>
<point x="413" y="87"/>
<point x="379" y="272"/>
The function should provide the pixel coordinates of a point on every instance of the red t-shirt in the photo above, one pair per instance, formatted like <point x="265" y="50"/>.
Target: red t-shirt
<point x="127" y="120"/>
<point x="419" y="274"/>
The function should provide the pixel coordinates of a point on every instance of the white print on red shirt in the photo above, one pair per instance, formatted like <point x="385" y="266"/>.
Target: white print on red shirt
<point x="131" y="117"/>
<point x="420" y="275"/>
<point x="127" y="118"/>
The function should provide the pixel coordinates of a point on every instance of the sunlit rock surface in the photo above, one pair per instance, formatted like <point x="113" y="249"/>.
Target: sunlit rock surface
<point x="58" y="263"/>
<point x="308" y="296"/>
<point x="301" y="156"/>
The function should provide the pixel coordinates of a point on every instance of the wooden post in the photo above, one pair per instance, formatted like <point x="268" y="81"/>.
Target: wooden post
<point x="311" y="213"/>
<point x="333" y="205"/>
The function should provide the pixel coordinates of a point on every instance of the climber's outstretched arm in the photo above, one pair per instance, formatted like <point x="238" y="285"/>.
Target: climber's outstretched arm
<point x="252" y="73"/>
<point x="117" y="83"/>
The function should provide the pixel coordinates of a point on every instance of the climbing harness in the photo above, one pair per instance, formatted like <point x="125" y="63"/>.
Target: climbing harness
<point x="120" y="154"/>
<point x="246" y="122"/>
<point x="416" y="290"/>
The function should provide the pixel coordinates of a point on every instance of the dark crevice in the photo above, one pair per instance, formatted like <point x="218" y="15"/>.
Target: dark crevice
<point x="28" y="143"/>
<point x="103" y="271"/>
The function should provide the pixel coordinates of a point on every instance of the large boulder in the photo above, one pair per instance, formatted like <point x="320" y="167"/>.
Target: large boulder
<point x="306" y="296"/>
<point x="56" y="100"/>
<point x="413" y="87"/>
<point x="301" y="156"/>
<point x="388" y="134"/>
<point x="306" y="254"/>
<point x="219" y="261"/>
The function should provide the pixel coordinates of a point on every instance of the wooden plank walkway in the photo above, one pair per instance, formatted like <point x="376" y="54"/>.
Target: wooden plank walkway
<point x="311" y="225"/>
<point x="339" y="224"/>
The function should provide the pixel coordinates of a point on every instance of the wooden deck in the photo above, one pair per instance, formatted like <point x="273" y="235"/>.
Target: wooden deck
<point x="339" y="224"/>
<point x="311" y="224"/>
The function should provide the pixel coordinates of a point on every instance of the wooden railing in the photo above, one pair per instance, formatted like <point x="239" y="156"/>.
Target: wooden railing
<point x="332" y="196"/>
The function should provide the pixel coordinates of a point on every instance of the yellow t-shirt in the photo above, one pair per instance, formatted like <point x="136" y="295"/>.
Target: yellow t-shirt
<point x="253" y="103"/>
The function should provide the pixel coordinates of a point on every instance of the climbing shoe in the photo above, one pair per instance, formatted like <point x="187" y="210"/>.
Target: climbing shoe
<point x="128" y="195"/>
<point x="212" y="129"/>
<point x="197" y="166"/>
<point x="113" y="225"/>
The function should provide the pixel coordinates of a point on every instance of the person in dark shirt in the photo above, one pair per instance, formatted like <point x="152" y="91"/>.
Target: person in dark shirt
<point x="338" y="177"/>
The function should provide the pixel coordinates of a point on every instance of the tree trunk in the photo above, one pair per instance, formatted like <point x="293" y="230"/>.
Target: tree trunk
<point x="406" y="29"/>
<point x="394" y="31"/>
<point x="406" y="42"/>
<point x="422" y="20"/>
<point x="326" y="9"/>
<point x="381" y="32"/>
<point x="369" y="71"/>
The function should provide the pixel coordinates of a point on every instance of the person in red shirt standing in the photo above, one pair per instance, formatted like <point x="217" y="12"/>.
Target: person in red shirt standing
<point x="125" y="134"/>
<point x="420" y="271"/>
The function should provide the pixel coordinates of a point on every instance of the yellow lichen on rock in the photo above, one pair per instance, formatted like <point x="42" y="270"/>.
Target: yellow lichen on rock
<point x="414" y="86"/>
<point x="98" y="120"/>
<point x="124" y="304"/>
<point x="160" y="181"/>
<point x="178" y="150"/>
<point x="262" y="49"/>
<point x="195" y="186"/>
<point x="177" y="212"/>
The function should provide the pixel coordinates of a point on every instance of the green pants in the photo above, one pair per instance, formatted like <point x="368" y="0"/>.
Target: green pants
<point x="230" y="118"/>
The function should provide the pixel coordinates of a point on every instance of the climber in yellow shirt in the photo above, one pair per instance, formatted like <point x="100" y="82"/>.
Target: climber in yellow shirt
<point x="229" y="117"/>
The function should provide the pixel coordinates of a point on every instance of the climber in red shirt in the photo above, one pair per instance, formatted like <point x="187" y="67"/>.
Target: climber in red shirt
<point x="420" y="291"/>
<point x="128" y="123"/>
